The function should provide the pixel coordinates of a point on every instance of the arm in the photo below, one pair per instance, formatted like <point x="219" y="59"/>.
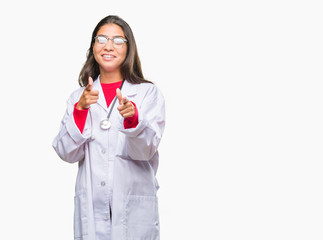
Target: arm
<point x="141" y="143"/>
<point x="80" y="116"/>
<point x="69" y="143"/>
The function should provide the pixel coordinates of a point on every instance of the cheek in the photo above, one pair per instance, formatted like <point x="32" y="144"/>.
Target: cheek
<point x="124" y="55"/>
<point x="96" y="52"/>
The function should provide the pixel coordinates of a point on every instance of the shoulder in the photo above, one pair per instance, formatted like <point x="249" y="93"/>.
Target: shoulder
<point x="151" y="93"/>
<point x="147" y="89"/>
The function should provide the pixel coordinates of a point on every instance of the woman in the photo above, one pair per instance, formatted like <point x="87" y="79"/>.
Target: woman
<point x="114" y="136"/>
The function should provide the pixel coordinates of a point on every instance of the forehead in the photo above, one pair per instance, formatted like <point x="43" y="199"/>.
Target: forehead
<point x="111" y="30"/>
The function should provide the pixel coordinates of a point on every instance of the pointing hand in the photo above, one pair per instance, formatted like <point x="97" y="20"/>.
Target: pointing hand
<point x="88" y="97"/>
<point x="125" y="107"/>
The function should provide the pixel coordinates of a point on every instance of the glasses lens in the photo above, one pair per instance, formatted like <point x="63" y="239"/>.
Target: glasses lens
<point x="118" y="42"/>
<point x="101" y="39"/>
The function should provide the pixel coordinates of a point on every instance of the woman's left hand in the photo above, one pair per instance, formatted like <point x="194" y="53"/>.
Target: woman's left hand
<point x="125" y="108"/>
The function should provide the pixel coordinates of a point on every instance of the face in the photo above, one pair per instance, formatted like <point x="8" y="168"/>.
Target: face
<point x="106" y="55"/>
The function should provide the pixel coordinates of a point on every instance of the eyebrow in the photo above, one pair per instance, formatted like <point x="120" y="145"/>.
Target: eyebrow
<point x="112" y="36"/>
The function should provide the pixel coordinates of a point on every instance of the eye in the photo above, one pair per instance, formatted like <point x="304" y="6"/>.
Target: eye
<point x="101" y="39"/>
<point x="118" y="41"/>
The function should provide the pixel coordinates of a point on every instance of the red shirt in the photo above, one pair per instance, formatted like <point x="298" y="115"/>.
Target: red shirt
<point x="109" y="90"/>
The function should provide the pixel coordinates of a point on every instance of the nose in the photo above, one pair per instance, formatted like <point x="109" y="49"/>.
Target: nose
<point x="109" y="45"/>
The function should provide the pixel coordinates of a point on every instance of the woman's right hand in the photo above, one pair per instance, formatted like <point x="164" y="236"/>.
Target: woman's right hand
<point x="88" y="97"/>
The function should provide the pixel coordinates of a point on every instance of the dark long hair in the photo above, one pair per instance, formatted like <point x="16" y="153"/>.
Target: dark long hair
<point x="131" y="67"/>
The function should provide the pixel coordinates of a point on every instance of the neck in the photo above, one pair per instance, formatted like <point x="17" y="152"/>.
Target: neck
<point x="112" y="77"/>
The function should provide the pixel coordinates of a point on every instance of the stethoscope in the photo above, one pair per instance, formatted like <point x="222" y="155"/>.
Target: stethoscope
<point x="105" y="123"/>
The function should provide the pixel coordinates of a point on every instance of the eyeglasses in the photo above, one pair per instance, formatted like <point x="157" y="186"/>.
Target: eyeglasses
<point x="117" y="42"/>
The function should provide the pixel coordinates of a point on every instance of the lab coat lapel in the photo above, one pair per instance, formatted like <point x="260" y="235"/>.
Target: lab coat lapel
<point x="101" y="100"/>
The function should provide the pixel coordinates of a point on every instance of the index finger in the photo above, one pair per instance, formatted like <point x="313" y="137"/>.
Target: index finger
<point x="90" y="84"/>
<point x="119" y="96"/>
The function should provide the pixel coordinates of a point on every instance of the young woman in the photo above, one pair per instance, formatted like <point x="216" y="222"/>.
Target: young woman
<point x="112" y="127"/>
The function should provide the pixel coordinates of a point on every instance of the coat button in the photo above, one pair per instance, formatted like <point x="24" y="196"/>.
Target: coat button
<point x="103" y="183"/>
<point x="92" y="137"/>
<point x="103" y="151"/>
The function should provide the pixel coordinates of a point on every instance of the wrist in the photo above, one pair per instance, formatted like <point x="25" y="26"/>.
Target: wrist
<point x="78" y="106"/>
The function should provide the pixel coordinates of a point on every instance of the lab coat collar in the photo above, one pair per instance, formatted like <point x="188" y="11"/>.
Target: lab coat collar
<point x="101" y="100"/>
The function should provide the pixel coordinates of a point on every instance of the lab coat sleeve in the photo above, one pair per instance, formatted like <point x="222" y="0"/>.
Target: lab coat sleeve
<point x="141" y="143"/>
<point x="69" y="143"/>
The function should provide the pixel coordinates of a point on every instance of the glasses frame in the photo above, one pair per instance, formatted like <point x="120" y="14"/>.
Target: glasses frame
<point x="112" y="38"/>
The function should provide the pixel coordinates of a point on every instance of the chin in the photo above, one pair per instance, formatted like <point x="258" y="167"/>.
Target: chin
<point x="110" y="69"/>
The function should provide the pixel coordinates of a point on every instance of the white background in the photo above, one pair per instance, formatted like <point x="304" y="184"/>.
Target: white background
<point x="241" y="157"/>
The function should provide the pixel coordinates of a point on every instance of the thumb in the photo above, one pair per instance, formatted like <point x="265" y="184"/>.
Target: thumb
<point x="119" y="96"/>
<point x="89" y="86"/>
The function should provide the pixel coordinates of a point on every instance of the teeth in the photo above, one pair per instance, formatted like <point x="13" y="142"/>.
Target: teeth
<point x="108" y="56"/>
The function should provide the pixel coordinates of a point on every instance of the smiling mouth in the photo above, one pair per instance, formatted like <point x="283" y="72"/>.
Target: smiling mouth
<point x="108" y="56"/>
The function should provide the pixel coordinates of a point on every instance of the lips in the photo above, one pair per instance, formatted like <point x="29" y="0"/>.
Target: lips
<point x="108" y="56"/>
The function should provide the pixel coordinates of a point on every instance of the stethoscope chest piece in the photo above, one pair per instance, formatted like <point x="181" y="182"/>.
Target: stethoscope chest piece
<point x="105" y="124"/>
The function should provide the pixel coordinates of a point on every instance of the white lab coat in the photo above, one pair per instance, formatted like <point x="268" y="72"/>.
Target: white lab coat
<point x="130" y="156"/>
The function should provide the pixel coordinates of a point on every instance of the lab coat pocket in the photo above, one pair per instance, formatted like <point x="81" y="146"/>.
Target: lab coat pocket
<point x="80" y="216"/>
<point x="141" y="218"/>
